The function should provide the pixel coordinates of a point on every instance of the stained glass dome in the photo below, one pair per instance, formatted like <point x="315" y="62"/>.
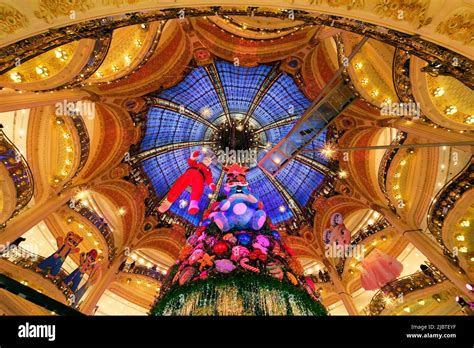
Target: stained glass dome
<point x="243" y="108"/>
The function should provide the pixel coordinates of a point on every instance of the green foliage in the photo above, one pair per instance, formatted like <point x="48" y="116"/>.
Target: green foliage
<point x="245" y="283"/>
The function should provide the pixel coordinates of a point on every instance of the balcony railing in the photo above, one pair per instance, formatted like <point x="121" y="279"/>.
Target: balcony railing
<point x="29" y="261"/>
<point x="361" y="235"/>
<point x="444" y="202"/>
<point x="83" y="134"/>
<point x="98" y="222"/>
<point x="147" y="272"/>
<point x="19" y="172"/>
<point x="385" y="164"/>
<point x="393" y="292"/>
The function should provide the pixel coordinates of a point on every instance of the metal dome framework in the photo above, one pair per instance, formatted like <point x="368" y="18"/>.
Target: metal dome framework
<point x="187" y="116"/>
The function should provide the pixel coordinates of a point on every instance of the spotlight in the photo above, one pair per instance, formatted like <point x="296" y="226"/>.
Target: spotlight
<point x="470" y="287"/>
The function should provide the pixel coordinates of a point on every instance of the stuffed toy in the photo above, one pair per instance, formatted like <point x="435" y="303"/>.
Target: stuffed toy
<point x="337" y="234"/>
<point x="91" y="280"/>
<point x="86" y="264"/>
<point x="66" y="246"/>
<point x="195" y="176"/>
<point x="241" y="209"/>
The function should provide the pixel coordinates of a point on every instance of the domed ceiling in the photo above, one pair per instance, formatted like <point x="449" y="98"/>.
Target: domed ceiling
<point x="222" y="107"/>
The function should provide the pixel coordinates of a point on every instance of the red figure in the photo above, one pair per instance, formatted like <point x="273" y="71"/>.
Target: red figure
<point x="195" y="176"/>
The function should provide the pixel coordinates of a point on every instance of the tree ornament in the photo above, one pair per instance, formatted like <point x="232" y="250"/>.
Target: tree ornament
<point x="220" y="248"/>
<point x="224" y="266"/>
<point x="244" y="238"/>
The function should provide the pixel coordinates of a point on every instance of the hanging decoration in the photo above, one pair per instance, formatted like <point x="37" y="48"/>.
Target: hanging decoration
<point x="236" y="264"/>
<point x="337" y="234"/>
<point x="196" y="176"/>
<point x="66" y="246"/>
<point x="379" y="269"/>
<point x="86" y="265"/>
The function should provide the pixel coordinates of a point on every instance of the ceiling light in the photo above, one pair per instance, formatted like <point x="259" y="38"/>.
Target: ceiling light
<point x="128" y="59"/>
<point x="460" y="237"/>
<point x="42" y="70"/>
<point x="364" y="81"/>
<point x="183" y="203"/>
<point x="328" y="150"/>
<point x="469" y="119"/>
<point x="375" y="93"/>
<point x="421" y="302"/>
<point x="60" y="54"/>
<point x="121" y="211"/>
<point x="358" y="65"/>
<point x="282" y="208"/>
<point x="206" y="112"/>
<point x="16" y="77"/>
<point x="138" y="43"/>
<point x="406" y="309"/>
<point x="438" y="92"/>
<point x="342" y="174"/>
<point x="465" y="223"/>
<point x="463" y="250"/>
<point x="450" y="110"/>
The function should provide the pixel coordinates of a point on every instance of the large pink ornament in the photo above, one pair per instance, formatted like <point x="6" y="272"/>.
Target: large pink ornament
<point x="379" y="269"/>
<point x="260" y="247"/>
<point x="224" y="266"/>
<point x="196" y="255"/>
<point x="238" y="252"/>
<point x="263" y="241"/>
<point x="210" y="241"/>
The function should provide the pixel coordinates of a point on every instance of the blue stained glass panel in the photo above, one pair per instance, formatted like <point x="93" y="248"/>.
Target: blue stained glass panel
<point x="269" y="195"/>
<point x="167" y="127"/>
<point x="283" y="99"/>
<point x="195" y="92"/>
<point x="299" y="180"/>
<point x="241" y="84"/>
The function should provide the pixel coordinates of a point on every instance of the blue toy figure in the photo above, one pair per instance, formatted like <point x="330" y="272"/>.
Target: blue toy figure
<point x="86" y="264"/>
<point x="66" y="246"/>
<point x="241" y="209"/>
<point x="91" y="280"/>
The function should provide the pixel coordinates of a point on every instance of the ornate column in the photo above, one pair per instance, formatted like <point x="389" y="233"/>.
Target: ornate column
<point x="341" y="290"/>
<point x="97" y="290"/>
<point x="30" y="218"/>
<point x="429" y="248"/>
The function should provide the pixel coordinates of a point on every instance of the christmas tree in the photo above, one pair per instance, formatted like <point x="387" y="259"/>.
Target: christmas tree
<point x="236" y="264"/>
